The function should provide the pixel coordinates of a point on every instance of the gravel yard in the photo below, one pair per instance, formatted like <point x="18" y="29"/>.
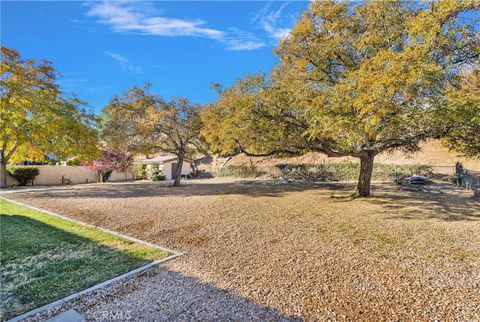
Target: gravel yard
<point x="264" y="250"/>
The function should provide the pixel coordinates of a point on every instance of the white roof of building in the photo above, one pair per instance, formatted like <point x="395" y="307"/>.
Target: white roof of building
<point x="162" y="159"/>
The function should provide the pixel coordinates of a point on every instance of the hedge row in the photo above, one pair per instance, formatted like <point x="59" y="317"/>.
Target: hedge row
<point x="327" y="172"/>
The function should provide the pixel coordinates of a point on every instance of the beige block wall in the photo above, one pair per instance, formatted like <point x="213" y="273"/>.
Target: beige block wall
<point x="51" y="175"/>
<point x="120" y="176"/>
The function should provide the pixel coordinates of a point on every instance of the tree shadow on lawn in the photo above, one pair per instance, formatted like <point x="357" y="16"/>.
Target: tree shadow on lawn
<point x="42" y="263"/>
<point x="161" y="294"/>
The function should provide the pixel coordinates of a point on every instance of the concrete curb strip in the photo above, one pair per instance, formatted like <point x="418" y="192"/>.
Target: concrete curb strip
<point x="174" y="254"/>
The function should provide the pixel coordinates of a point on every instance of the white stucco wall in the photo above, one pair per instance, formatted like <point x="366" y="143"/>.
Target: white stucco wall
<point x="167" y="169"/>
<point x="186" y="168"/>
<point x="52" y="175"/>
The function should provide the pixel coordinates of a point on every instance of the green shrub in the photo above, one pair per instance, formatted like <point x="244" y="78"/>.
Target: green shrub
<point x="398" y="172"/>
<point x="155" y="173"/>
<point x="242" y="171"/>
<point x="349" y="171"/>
<point x="23" y="175"/>
<point x="338" y="171"/>
<point x="141" y="171"/>
<point x="74" y="162"/>
<point x="158" y="176"/>
<point x="322" y="172"/>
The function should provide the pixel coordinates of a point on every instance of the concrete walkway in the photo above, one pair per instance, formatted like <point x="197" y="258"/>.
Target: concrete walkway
<point x="68" y="316"/>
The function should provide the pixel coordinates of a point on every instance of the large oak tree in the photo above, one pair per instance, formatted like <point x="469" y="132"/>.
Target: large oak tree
<point x="35" y="119"/>
<point x="141" y="122"/>
<point x="352" y="80"/>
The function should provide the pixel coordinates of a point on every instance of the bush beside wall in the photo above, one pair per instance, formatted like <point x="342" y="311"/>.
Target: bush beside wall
<point x="339" y="171"/>
<point x="241" y="171"/>
<point x="23" y="175"/>
<point x="141" y="171"/>
<point x="156" y="174"/>
<point x="349" y="171"/>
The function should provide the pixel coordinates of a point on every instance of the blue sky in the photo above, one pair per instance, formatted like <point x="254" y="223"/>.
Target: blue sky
<point x="102" y="48"/>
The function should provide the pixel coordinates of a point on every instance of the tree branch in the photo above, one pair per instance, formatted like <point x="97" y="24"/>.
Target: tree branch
<point x="266" y="154"/>
<point x="9" y="154"/>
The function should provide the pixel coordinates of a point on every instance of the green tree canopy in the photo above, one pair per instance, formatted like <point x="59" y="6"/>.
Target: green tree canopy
<point x="141" y="122"/>
<point x="460" y="115"/>
<point x="352" y="80"/>
<point x="34" y="117"/>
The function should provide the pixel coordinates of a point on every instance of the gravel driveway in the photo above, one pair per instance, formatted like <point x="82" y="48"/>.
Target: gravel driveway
<point x="269" y="251"/>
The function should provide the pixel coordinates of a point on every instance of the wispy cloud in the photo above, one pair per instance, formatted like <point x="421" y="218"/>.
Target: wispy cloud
<point x="271" y="21"/>
<point x="141" y="17"/>
<point x="240" y="40"/>
<point x="123" y="62"/>
<point x="237" y="44"/>
<point x="144" y="18"/>
<point x="74" y="79"/>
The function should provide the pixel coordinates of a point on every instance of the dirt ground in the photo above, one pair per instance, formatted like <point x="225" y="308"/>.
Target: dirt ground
<point x="307" y="252"/>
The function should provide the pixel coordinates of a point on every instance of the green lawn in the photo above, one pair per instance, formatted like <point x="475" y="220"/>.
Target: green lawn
<point x="44" y="258"/>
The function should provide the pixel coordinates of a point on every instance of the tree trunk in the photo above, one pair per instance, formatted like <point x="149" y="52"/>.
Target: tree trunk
<point x="178" y="170"/>
<point x="365" y="177"/>
<point x="4" y="157"/>
<point x="3" y="174"/>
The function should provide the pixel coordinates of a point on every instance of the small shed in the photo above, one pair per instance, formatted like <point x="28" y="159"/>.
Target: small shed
<point x="168" y="164"/>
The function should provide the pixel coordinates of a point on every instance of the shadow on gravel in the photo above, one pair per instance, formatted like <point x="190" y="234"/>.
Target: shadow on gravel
<point x="438" y="202"/>
<point x="434" y="201"/>
<point x="165" y="295"/>
<point x="253" y="188"/>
